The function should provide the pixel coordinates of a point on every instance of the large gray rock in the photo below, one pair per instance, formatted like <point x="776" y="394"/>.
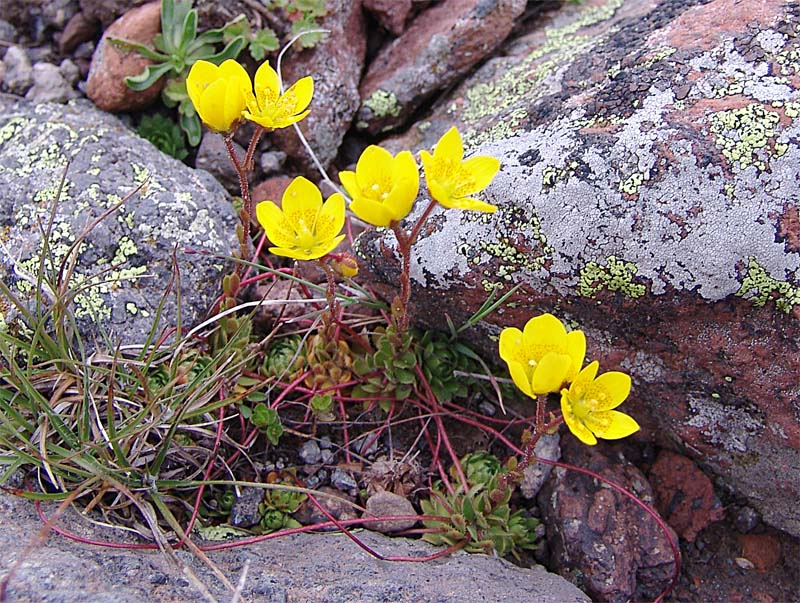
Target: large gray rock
<point x="308" y="568"/>
<point x="123" y="266"/>
<point x="648" y="192"/>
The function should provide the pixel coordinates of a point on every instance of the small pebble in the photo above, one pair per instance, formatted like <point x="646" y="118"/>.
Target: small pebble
<point x="487" y="408"/>
<point x="745" y="519"/>
<point x="341" y="480"/>
<point x="310" y="453"/>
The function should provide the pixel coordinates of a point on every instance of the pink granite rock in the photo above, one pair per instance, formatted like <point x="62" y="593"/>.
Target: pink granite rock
<point x="110" y="66"/>
<point x="335" y="64"/>
<point x="392" y="14"/>
<point x="438" y="48"/>
<point x="648" y="192"/>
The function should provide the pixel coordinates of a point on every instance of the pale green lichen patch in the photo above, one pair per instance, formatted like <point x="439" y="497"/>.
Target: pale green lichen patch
<point x="617" y="275"/>
<point x="760" y="287"/>
<point x="632" y="184"/>
<point x="383" y="103"/>
<point x="526" y="79"/>
<point x="746" y="135"/>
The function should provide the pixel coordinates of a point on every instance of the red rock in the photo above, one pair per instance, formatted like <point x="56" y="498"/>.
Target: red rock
<point x="440" y="46"/>
<point x="762" y="550"/>
<point x="110" y="66"/>
<point x="270" y="189"/>
<point x="106" y="11"/>
<point x="661" y="225"/>
<point x="599" y="539"/>
<point x="79" y="29"/>
<point x="684" y="495"/>
<point x="392" y="14"/>
<point x="335" y="64"/>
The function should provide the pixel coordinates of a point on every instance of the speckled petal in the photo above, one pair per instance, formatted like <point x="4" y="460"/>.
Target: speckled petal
<point x="330" y="218"/>
<point x="275" y="224"/>
<point x="573" y="423"/>
<point x="449" y="146"/>
<point x="609" y="389"/>
<point x="611" y="424"/>
<point x="266" y="78"/>
<point x="371" y="211"/>
<point x="302" y="200"/>
<point x="481" y="170"/>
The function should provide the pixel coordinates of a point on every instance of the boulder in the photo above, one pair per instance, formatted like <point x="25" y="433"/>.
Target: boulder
<point x="335" y="63"/>
<point x="106" y="85"/>
<point x="312" y="568"/>
<point x="439" y="47"/>
<point x="123" y="267"/>
<point x="600" y="539"/>
<point x="649" y="194"/>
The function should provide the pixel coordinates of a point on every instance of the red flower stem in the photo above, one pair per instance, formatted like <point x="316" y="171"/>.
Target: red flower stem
<point x="245" y="189"/>
<point x="251" y="148"/>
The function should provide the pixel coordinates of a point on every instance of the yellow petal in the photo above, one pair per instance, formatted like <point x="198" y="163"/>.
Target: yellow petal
<point x="405" y="168"/>
<point x="520" y="377"/>
<point x="543" y="334"/>
<point x="200" y="75"/>
<point x="573" y="423"/>
<point x="371" y="211"/>
<point x="439" y="192"/>
<point x="549" y="373"/>
<point x="349" y="181"/>
<point x="233" y="71"/>
<point x="266" y="78"/>
<point x="286" y="121"/>
<point x="213" y="109"/>
<point x="510" y="345"/>
<point x="234" y="104"/>
<point x="449" y="146"/>
<point x="330" y="218"/>
<point x="324" y="248"/>
<point x="471" y="204"/>
<point x="481" y="170"/>
<point x="274" y="223"/>
<point x="611" y="424"/>
<point x="609" y="389"/>
<point x="576" y="348"/>
<point x="302" y="91"/>
<point x="302" y="200"/>
<point x="581" y="382"/>
<point x="401" y="199"/>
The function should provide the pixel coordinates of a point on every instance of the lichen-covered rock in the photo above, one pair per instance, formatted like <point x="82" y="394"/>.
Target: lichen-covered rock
<point x="648" y="193"/>
<point x="123" y="263"/>
<point x="600" y="539"/>
<point x="335" y="64"/>
<point x="439" y="47"/>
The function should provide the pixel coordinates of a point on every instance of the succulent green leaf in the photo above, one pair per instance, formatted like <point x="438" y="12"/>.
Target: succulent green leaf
<point x="148" y="77"/>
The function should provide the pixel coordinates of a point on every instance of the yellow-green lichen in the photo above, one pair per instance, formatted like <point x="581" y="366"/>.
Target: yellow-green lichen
<point x="632" y="184"/>
<point x="525" y="80"/>
<point x="616" y="275"/>
<point x="760" y="287"/>
<point x="383" y="103"/>
<point x="507" y="255"/>
<point x="552" y="175"/>
<point x="660" y="54"/>
<point x="746" y="135"/>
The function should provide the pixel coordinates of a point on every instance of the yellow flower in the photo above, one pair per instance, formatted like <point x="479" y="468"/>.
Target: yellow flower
<point x="304" y="228"/>
<point x="543" y="357"/>
<point x="218" y="92"/>
<point x="587" y="406"/>
<point x="383" y="188"/>
<point x="451" y="180"/>
<point x="271" y="109"/>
